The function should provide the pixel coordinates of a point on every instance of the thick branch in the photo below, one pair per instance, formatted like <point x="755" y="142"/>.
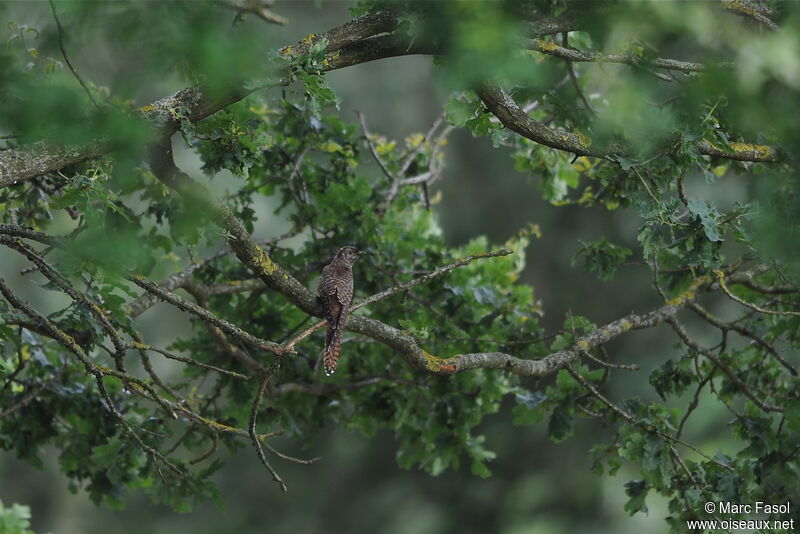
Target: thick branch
<point x="26" y="162"/>
<point x="751" y="10"/>
<point x="570" y="54"/>
<point x="355" y="42"/>
<point x="348" y="33"/>
<point x="514" y="118"/>
<point x="399" y="288"/>
<point x="240" y="241"/>
<point x="556" y="360"/>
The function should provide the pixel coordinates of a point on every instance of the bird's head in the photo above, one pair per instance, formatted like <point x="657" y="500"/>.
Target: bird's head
<point x="349" y="254"/>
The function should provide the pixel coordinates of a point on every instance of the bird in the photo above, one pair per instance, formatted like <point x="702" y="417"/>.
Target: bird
<point x="335" y="294"/>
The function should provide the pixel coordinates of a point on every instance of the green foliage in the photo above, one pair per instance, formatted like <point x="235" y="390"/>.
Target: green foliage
<point x="292" y="160"/>
<point x="673" y="378"/>
<point x="15" y="520"/>
<point x="602" y="257"/>
<point x="307" y="69"/>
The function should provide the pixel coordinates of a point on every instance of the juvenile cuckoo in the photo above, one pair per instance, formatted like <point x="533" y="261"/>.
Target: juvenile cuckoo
<point x="335" y="294"/>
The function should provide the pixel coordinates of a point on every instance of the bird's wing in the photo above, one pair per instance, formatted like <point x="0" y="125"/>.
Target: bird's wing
<point x="329" y="296"/>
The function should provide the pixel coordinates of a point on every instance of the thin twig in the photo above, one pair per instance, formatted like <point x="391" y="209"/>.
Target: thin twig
<point x="206" y="315"/>
<point x="252" y="430"/>
<point x="721" y="281"/>
<point x="412" y="153"/>
<point x="632" y="420"/>
<point x="189" y="361"/>
<point x="574" y="77"/>
<point x="645" y="184"/>
<point x="743" y="331"/>
<point x="211" y="451"/>
<point x="27" y="400"/>
<point x="631" y="367"/>
<point x="767" y="407"/>
<point x="694" y="402"/>
<point x="372" y="149"/>
<point x="66" y="58"/>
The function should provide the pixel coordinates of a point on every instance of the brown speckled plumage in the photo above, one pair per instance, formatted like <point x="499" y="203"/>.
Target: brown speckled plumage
<point x="335" y="294"/>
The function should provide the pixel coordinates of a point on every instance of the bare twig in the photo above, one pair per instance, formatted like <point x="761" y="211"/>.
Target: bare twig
<point x="206" y="315"/>
<point x="28" y="399"/>
<point x="189" y="361"/>
<point x="66" y="58"/>
<point x="725" y="368"/>
<point x="514" y="118"/>
<point x="330" y="387"/>
<point x="570" y="54"/>
<point x="634" y="421"/>
<point x="572" y="76"/>
<point x="252" y="429"/>
<point x="259" y="8"/>
<point x="372" y="149"/>
<point x="723" y="286"/>
<point x="631" y="367"/>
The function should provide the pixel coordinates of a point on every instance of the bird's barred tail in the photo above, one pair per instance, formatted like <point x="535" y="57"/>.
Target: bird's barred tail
<point x="330" y="356"/>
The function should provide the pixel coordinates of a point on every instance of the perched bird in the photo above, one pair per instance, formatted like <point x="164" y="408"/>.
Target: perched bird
<point x="335" y="294"/>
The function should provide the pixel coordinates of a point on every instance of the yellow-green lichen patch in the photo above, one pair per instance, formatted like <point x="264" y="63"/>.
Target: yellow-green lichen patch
<point x="626" y="325"/>
<point x="147" y="108"/>
<point x="333" y="57"/>
<point x="310" y="38"/>
<point x="763" y="151"/>
<point x="218" y="426"/>
<point x="436" y="364"/>
<point x="265" y="264"/>
<point x="690" y="293"/>
<point x="739" y="7"/>
<point x="546" y="46"/>
<point x="583" y="140"/>
<point x="432" y="362"/>
<point x="583" y="344"/>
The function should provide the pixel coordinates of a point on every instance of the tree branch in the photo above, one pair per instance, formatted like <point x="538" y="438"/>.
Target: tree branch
<point x="206" y="315"/>
<point x="397" y="289"/>
<point x="750" y="10"/>
<point x="767" y="407"/>
<point x="252" y="429"/>
<point x="570" y="54"/>
<point x="259" y="8"/>
<point x="358" y="41"/>
<point x="514" y="118"/>
<point x="26" y="162"/>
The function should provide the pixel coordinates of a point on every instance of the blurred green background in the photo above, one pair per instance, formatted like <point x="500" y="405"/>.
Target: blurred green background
<point x="537" y="487"/>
